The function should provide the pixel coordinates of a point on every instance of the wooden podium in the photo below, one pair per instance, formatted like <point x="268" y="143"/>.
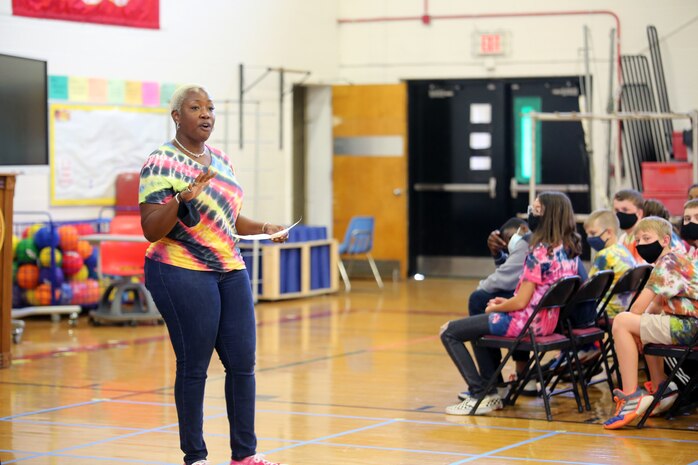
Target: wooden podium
<point x="7" y="194"/>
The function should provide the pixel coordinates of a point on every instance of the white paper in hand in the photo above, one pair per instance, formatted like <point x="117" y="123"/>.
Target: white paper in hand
<point x="260" y="237"/>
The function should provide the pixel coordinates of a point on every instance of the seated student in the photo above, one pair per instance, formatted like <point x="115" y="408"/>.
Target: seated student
<point x="693" y="192"/>
<point x="513" y="237"/>
<point x="555" y="245"/>
<point x="666" y="312"/>
<point x="502" y="282"/>
<point x="689" y="228"/>
<point x="654" y="207"/>
<point x="628" y="205"/>
<point x="602" y="229"/>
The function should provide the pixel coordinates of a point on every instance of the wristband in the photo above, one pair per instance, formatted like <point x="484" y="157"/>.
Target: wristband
<point x="263" y="227"/>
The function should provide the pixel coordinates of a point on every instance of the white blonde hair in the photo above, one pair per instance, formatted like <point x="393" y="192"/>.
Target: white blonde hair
<point x="181" y="93"/>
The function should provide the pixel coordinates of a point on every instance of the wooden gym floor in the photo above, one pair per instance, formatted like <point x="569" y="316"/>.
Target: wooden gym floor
<point x="348" y="379"/>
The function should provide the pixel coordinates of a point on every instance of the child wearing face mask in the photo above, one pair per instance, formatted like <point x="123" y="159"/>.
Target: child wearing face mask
<point x="602" y="235"/>
<point x="665" y="312"/>
<point x="654" y="207"/>
<point x="689" y="228"/>
<point x="554" y="248"/>
<point x="628" y="205"/>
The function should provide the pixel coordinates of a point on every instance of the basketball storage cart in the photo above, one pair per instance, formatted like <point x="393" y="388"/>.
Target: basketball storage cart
<point x="53" y="269"/>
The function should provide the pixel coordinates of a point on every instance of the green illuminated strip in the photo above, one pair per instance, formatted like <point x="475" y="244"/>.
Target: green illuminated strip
<point x="523" y="138"/>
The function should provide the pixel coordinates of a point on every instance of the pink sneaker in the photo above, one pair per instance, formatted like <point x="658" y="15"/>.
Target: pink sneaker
<point x="254" y="459"/>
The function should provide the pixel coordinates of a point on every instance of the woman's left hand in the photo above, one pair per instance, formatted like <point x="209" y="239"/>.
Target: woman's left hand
<point x="272" y="229"/>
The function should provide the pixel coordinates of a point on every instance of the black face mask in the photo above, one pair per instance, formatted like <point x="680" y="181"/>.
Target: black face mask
<point x="533" y="222"/>
<point x="650" y="252"/>
<point x="689" y="231"/>
<point x="626" y="220"/>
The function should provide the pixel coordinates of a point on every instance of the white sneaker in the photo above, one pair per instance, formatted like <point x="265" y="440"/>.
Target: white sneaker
<point x="671" y="393"/>
<point x="201" y="462"/>
<point x="501" y="390"/>
<point x="531" y="389"/>
<point x="489" y="403"/>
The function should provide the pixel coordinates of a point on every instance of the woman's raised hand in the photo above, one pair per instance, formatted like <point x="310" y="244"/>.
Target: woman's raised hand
<point x="197" y="186"/>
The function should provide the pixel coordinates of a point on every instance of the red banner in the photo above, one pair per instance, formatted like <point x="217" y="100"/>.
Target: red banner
<point x="133" y="13"/>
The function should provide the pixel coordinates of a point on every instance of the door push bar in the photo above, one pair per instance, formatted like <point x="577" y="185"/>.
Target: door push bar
<point x="515" y="188"/>
<point x="489" y="188"/>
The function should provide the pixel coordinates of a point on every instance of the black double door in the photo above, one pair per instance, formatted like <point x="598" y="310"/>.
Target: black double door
<point x="469" y="162"/>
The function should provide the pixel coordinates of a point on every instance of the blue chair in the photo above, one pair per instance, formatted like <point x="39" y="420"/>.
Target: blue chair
<point x="358" y="240"/>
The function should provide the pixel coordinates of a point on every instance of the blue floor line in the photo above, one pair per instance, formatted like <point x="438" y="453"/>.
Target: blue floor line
<point x="502" y="449"/>
<point x="331" y="436"/>
<point x="460" y="454"/>
<point x="36" y="412"/>
<point x="73" y="425"/>
<point x="367" y="418"/>
<point x="103" y="441"/>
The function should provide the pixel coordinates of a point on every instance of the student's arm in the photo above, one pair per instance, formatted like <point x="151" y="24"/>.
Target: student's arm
<point x="643" y="301"/>
<point x="519" y="301"/>
<point x="506" y="276"/>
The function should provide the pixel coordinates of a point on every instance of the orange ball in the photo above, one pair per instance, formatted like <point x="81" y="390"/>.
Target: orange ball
<point x="84" y="249"/>
<point x="28" y="276"/>
<point x="68" y="238"/>
<point x="43" y="294"/>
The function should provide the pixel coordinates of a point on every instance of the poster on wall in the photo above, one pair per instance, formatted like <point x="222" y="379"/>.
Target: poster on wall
<point x="91" y="144"/>
<point x="133" y="13"/>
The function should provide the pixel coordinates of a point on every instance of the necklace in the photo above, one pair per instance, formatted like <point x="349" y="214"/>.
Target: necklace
<point x="195" y="155"/>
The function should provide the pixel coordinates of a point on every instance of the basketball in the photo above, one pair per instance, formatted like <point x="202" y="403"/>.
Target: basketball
<point x="54" y="275"/>
<point x="28" y="276"/>
<point x="46" y="237"/>
<point x="84" y="249"/>
<point x="72" y="262"/>
<point x="26" y="251"/>
<point x="68" y="238"/>
<point x="45" y="257"/>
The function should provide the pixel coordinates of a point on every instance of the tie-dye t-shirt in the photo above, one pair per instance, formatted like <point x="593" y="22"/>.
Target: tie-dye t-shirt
<point x="542" y="270"/>
<point x="675" y="278"/>
<point x="617" y="258"/>
<point x="209" y="245"/>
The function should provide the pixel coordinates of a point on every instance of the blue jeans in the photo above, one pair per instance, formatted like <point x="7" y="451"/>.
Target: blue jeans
<point x="206" y="310"/>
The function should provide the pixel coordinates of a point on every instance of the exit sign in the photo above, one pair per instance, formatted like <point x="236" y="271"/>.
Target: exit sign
<point x="490" y="43"/>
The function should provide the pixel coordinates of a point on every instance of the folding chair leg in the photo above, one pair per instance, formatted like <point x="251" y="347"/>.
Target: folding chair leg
<point x="541" y="379"/>
<point x="492" y="381"/>
<point x="660" y="393"/>
<point x="343" y="273"/>
<point x="582" y="375"/>
<point x="374" y="268"/>
<point x="570" y="370"/>
<point x="615" y="367"/>
<point x="683" y="394"/>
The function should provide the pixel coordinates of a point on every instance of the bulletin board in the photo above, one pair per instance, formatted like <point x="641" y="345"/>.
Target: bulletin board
<point x="91" y="144"/>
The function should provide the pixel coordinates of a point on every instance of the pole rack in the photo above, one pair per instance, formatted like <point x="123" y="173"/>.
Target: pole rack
<point x="622" y="116"/>
<point x="282" y="93"/>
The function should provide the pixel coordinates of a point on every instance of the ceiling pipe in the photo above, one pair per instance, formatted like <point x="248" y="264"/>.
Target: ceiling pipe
<point x="426" y="19"/>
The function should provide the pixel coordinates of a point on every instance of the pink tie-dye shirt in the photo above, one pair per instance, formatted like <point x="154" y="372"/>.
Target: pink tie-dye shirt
<point x="541" y="269"/>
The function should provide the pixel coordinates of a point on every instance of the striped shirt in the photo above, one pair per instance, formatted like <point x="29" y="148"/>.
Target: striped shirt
<point x="208" y="245"/>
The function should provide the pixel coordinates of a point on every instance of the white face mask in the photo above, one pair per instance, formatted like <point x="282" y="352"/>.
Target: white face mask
<point x="515" y="238"/>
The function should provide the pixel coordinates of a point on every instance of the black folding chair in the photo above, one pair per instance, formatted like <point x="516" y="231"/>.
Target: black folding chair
<point x="557" y="296"/>
<point x="591" y="293"/>
<point x="681" y="354"/>
<point x="631" y="282"/>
